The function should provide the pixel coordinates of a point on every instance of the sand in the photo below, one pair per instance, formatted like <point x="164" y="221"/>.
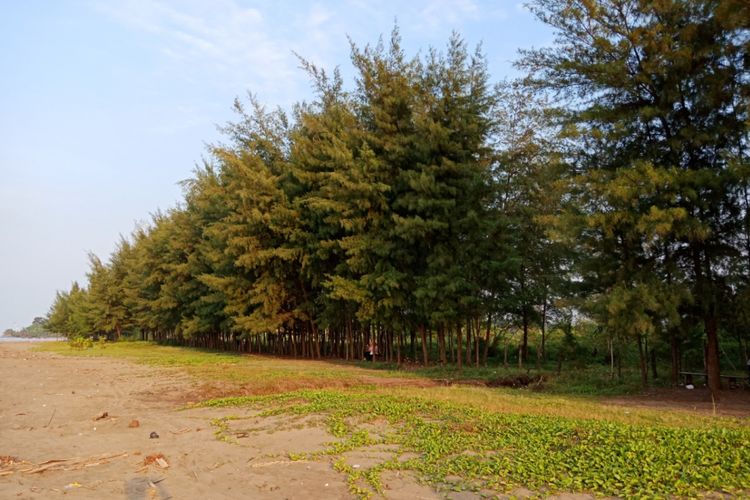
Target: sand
<point x="67" y="429"/>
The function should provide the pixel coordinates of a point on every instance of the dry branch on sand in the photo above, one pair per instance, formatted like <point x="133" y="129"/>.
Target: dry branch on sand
<point x="10" y="465"/>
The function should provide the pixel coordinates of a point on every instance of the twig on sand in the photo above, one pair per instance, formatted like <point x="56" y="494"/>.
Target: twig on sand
<point x="278" y="462"/>
<point x="51" y="417"/>
<point x="74" y="463"/>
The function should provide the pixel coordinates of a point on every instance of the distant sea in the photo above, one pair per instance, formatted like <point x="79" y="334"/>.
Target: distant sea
<point x="21" y="339"/>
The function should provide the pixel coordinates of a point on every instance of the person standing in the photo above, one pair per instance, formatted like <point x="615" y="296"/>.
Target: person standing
<point x="372" y="351"/>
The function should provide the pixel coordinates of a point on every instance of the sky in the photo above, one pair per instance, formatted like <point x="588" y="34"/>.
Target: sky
<point x="106" y="105"/>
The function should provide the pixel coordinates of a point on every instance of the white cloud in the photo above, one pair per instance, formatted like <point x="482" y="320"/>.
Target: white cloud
<point x="438" y="14"/>
<point x="222" y="41"/>
<point x="237" y="45"/>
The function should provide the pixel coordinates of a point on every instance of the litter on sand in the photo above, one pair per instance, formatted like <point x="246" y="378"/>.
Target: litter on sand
<point x="157" y="459"/>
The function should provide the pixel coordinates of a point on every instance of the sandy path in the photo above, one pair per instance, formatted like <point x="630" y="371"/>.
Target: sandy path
<point x="48" y="406"/>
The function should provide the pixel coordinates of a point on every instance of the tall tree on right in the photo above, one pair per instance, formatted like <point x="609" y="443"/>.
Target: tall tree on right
<point x="664" y="85"/>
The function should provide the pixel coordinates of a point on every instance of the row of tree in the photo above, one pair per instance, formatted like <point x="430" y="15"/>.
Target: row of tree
<point x="427" y="207"/>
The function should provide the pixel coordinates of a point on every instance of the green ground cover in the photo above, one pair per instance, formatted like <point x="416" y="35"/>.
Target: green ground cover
<point x="465" y="447"/>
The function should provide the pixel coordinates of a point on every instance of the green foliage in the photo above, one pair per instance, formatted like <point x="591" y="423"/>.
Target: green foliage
<point x="650" y="99"/>
<point x="80" y="343"/>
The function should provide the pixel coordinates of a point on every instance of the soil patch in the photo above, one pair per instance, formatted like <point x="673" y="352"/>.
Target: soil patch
<point x="518" y="381"/>
<point x="731" y="403"/>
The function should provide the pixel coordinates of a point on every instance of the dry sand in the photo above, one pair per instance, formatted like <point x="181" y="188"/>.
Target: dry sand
<point x="55" y="439"/>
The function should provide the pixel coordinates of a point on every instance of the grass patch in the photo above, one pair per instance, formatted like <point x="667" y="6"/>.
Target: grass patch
<point x="251" y="369"/>
<point x="594" y="380"/>
<point x="143" y="352"/>
<point x="249" y="374"/>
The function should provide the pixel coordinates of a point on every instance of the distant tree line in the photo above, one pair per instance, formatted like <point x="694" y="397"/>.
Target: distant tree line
<point x="37" y="329"/>
<point x="426" y="207"/>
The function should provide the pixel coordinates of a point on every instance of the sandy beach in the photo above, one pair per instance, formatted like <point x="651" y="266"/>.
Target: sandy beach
<point x="67" y="427"/>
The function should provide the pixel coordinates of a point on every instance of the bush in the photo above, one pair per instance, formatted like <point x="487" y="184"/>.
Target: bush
<point x="80" y="342"/>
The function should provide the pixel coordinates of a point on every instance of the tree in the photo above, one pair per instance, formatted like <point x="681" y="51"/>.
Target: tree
<point x="528" y="193"/>
<point x="664" y="83"/>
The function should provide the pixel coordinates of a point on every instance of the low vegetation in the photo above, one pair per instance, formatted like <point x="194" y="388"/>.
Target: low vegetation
<point x="466" y="447"/>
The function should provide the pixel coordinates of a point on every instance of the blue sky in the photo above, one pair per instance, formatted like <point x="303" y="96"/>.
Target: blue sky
<point x="105" y="105"/>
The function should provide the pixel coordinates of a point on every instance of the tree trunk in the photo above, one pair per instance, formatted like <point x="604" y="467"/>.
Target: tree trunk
<point x="451" y="351"/>
<point x="441" y="343"/>
<point x="713" y="372"/>
<point x="703" y="276"/>
<point x="315" y="340"/>
<point x="468" y="341"/>
<point x="505" y="354"/>
<point x="477" y="331"/>
<point x="540" y="354"/>
<point x="413" y="344"/>
<point x="642" y="361"/>
<point x="459" y="340"/>
<point x="399" y="342"/>
<point x="349" y="340"/>
<point x="487" y="339"/>
<point x="423" y="335"/>
<point x="674" y="345"/>
<point x="525" y="341"/>
<point x="520" y="356"/>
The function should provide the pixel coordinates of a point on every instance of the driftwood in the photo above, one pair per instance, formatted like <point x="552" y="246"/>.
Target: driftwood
<point x="68" y="464"/>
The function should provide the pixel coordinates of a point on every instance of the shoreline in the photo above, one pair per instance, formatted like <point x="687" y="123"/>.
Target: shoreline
<point x="31" y="339"/>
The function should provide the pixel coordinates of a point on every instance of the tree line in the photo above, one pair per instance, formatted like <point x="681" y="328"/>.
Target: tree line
<point x="425" y="206"/>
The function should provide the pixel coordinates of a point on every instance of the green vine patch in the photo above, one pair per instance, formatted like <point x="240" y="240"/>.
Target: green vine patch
<point x="462" y="447"/>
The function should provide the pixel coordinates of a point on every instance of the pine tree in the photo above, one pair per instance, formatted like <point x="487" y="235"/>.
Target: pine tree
<point x="657" y="95"/>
